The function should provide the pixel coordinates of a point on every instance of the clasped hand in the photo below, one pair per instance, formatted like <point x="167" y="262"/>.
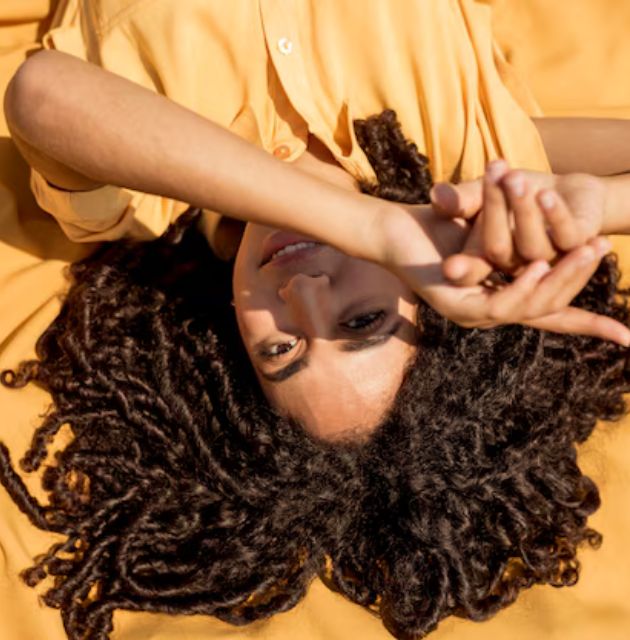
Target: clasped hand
<point x="540" y="229"/>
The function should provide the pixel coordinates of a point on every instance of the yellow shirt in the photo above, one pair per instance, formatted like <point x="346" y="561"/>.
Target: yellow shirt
<point x="275" y="71"/>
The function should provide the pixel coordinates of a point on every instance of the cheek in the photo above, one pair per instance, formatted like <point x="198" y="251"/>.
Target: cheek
<point x="245" y="266"/>
<point x="407" y="299"/>
<point x="247" y="288"/>
<point x="253" y="301"/>
<point x="376" y="279"/>
<point x="242" y="280"/>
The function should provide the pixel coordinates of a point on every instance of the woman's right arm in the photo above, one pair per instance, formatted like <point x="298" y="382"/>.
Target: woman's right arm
<point x="82" y="127"/>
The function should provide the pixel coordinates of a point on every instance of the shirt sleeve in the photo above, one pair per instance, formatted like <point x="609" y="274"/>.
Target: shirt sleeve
<point x="108" y="212"/>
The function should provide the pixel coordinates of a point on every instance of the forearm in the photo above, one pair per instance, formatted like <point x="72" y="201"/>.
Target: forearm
<point x="599" y="146"/>
<point x="595" y="146"/>
<point x="82" y="126"/>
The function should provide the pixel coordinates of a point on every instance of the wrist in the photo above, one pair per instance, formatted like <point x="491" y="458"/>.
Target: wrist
<point x="382" y="222"/>
<point x="404" y="235"/>
<point x="610" y="205"/>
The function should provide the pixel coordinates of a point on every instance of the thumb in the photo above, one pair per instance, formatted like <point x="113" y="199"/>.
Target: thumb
<point x="469" y="267"/>
<point x="463" y="200"/>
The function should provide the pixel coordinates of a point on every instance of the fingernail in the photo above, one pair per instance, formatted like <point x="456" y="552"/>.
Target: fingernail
<point x="516" y="184"/>
<point x="442" y="195"/>
<point x="587" y="255"/>
<point x="547" y="199"/>
<point x="625" y="341"/>
<point x="541" y="269"/>
<point x="457" y="269"/>
<point x="496" y="169"/>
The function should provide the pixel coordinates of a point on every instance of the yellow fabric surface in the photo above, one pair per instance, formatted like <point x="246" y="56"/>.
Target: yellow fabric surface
<point x="33" y="254"/>
<point x="276" y="70"/>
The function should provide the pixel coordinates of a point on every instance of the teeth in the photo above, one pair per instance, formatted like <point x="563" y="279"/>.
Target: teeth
<point x="292" y="248"/>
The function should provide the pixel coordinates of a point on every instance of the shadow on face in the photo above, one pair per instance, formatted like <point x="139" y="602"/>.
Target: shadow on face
<point x="329" y="336"/>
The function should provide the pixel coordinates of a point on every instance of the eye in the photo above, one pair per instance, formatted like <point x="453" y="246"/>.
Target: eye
<point x="279" y="349"/>
<point x="365" y="321"/>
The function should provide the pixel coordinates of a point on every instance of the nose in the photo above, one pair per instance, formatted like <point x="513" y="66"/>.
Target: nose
<point x="308" y="300"/>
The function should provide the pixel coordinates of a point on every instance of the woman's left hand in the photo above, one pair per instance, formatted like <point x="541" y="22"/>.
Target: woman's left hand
<point x="418" y="240"/>
<point x="519" y="217"/>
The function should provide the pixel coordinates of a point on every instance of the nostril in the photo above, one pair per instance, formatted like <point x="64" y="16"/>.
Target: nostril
<point x="302" y="283"/>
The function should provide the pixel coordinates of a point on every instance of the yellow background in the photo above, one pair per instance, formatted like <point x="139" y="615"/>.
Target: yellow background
<point x="573" y="55"/>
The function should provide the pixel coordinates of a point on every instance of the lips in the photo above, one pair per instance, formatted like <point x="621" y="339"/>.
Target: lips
<point x="284" y="246"/>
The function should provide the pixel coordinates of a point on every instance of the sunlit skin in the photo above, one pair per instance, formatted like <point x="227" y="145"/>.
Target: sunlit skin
<point x="329" y="336"/>
<point x="303" y="317"/>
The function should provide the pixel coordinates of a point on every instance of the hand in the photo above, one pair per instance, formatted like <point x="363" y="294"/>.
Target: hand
<point x="417" y="239"/>
<point x="520" y="216"/>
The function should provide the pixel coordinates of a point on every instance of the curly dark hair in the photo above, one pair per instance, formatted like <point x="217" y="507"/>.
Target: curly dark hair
<point x="184" y="492"/>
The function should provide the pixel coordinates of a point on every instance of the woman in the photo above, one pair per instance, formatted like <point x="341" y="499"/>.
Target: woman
<point x="419" y="621"/>
<point x="192" y="478"/>
<point x="210" y="167"/>
<point x="184" y="491"/>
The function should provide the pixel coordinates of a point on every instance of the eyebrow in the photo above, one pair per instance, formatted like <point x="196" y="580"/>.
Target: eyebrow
<point x="348" y="346"/>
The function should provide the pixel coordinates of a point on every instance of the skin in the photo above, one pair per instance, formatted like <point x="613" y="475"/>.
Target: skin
<point x="320" y="307"/>
<point x="315" y="306"/>
<point x="352" y="321"/>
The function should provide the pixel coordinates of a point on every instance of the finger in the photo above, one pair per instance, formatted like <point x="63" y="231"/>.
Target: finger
<point x="568" y="277"/>
<point x="496" y="233"/>
<point x="469" y="267"/>
<point x="489" y="308"/>
<point x="530" y="233"/>
<point x="563" y="228"/>
<point x="463" y="200"/>
<point x="579" y="321"/>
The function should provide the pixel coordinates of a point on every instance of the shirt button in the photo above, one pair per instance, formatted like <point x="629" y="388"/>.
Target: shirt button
<point x="282" y="152"/>
<point x="285" y="46"/>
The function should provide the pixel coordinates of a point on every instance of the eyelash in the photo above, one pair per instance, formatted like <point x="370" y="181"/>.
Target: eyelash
<point x="374" y="319"/>
<point x="268" y="353"/>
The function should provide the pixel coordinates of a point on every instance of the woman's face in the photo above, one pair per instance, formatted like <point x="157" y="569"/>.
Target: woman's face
<point x="329" y="336"/>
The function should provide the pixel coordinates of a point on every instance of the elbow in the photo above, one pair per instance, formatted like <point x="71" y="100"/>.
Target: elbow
<point x="28" y="95"/>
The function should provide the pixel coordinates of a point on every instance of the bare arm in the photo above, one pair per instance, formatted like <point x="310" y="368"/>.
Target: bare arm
<point x="82" y="127"/>
<point x="597" y="146"/>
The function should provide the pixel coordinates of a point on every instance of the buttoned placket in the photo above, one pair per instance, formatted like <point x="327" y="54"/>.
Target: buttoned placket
<point x="279" y="20"/>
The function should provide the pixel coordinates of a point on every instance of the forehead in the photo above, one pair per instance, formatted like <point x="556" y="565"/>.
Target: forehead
<point x="339" y="390"/>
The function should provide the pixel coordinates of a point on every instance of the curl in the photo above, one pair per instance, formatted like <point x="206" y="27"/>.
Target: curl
<point x="183" y="492"/>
